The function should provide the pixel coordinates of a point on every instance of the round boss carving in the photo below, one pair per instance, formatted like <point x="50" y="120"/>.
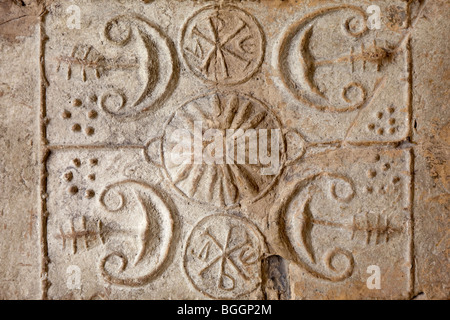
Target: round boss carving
<point x="238" y="174"/>
<point x="222" y="256"/>
<point x="222" y="45"/>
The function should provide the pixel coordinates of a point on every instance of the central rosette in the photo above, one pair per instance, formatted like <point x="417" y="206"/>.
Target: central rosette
<point x="222" y="148"/>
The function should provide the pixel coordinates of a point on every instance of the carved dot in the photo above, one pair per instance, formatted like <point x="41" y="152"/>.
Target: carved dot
<point x="371" y="173"/>
<point x="77" y="103"/>
<point x="91" y="177"/>
<point x="386" y="166"/>
<point x="118" y="32"/>
<point x="76" y="127"/>
<point x="353" y="24"/>
<point x="92" y="114"/>
<point x="380" y="115"/>
<point x="93" y="98"/>
<point x="355" y="27"/>
<point x="90" y="131"/>
<point x="342" y="191"/>
<point x="396" y="180"/>
<point x="377" y="158"/>
<point x="392" y="130"/>
<point x="371" y="126"/>
<point x="68" y="176"/>
<point x="90" y="194"/>
<point x="369" y="189"/>
<point x="391" y="110"/>
<point x="73" y="190"/>
<point x="391" y="121"/>
<point x="76" y="162"/>
<point x="94" y="162"/>
<point x="66" y="114"/>
<point x="352" y="92"/>
<point x="380" y="131"/>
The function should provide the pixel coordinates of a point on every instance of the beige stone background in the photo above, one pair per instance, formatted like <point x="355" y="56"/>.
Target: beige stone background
<point x="20" y="252"/>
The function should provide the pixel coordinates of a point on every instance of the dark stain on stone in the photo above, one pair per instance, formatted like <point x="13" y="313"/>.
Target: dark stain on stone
<point x="396" y="18"/>
<point x="18" y="18"/>
<point x="276" y="278"/>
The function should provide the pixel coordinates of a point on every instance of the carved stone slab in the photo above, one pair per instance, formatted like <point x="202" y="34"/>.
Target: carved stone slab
<point x="337" y="219"/>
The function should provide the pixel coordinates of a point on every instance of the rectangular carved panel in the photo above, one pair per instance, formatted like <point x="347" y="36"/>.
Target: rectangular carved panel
<point x="124" y="86"/>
